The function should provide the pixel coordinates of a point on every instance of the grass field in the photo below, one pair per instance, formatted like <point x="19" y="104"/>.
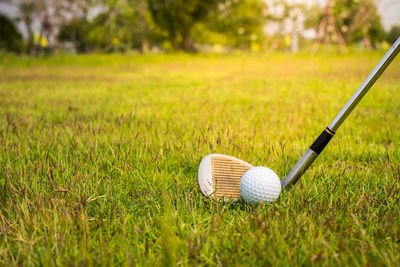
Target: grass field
<point x="99" y="158"/>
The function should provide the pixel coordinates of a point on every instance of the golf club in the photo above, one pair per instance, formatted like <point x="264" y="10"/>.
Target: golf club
<point x="219" y="175"/>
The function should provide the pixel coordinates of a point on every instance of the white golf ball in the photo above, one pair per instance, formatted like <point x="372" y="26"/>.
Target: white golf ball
<point x="260" y="184"/>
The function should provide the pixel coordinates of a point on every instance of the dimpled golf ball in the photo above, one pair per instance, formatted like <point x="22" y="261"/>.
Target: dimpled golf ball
<point x="260" y="184"/>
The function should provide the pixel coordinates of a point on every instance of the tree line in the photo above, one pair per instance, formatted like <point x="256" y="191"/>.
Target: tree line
<point x="187" y="25"/>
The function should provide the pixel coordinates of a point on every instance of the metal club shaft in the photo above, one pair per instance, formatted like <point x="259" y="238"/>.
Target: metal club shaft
<point x="319" y="144"/>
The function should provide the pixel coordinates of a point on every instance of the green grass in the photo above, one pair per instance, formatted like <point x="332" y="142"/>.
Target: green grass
<point x="99" y="158"/>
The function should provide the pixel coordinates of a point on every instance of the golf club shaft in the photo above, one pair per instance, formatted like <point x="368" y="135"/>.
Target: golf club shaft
<point x="320" y="143"/>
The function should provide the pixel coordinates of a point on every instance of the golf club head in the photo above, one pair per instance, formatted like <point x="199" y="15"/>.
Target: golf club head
<point x="219" y="176"/>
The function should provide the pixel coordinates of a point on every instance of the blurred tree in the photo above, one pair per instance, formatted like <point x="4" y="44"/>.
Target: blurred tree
<point x="122" y="25"/>
<point x="117" y="26"/>
<point x="144" y="31"/>
<point x="75" y="32"/>
<point x="177" y="18"/>
<point x="11" y="39"/>
<point x="48" y="14"/>
<point x="110" y="30"/>
<point x="41" y="18"/>
<point x="28" y="11"/>
<point x="241" y="21"/>
<point x="82" y="29"/>
<point x="393" y="34"/>
<point x="327" y="29"/>
<point x="358" y="20"/>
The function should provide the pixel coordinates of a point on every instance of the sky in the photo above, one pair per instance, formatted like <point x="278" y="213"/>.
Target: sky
<point x="390" y="12"/>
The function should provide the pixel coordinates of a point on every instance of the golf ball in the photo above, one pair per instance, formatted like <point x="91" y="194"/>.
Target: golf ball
<point x="260" y="184"/>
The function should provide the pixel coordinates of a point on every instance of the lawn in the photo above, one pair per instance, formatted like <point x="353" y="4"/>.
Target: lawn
<point x="99" y="158"/>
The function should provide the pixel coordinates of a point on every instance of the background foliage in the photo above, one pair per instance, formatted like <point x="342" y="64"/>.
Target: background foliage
<point x="144" y="25"/>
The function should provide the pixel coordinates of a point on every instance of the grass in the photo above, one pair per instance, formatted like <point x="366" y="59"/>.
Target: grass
<point x="99" y="158"/>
